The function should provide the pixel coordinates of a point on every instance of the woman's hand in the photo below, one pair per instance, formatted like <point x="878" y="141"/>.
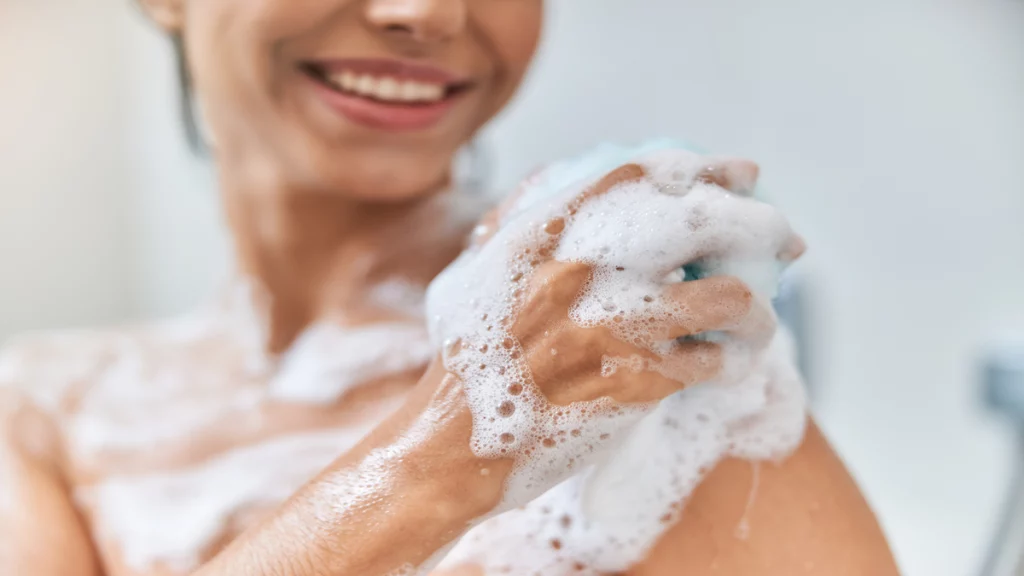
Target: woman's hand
<point x="566" y="359"/>
<point x="560" y="349"/>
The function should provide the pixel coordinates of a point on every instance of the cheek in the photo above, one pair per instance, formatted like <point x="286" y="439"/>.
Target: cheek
<point x="274" y="21"/>
<point x="235" y="58"/>
<point x="513" y="29"/>
<point x="247" y="35"/>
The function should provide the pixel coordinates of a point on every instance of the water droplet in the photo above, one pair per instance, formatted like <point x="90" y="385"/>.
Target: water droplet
<point x="515" y="389"/>
<point x="507" y="438"/>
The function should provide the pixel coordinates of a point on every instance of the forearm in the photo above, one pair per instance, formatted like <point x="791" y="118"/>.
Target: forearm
<point x="406" y="492"/>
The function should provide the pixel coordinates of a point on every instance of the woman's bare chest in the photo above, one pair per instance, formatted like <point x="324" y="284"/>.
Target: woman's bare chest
<point x="175" y="443"/>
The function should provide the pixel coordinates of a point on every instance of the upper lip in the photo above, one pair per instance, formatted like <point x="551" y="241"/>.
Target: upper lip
<point x="398" y="69"/>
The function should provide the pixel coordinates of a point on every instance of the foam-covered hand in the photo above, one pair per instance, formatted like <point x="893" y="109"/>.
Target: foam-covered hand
<point x="569" y="316"/>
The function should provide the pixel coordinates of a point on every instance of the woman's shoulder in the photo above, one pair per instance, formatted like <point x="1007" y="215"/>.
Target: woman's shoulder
<point x="44" y="366"/>
<point x="38" y="370"/>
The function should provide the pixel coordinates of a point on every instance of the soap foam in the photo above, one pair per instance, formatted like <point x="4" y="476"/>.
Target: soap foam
<point x="172" y="517"/>
<point x="329" y="360"/>
<point x="152" y="389"/>
<point x="625" y="471"/>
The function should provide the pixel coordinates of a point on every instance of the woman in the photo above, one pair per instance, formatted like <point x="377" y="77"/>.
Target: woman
<point x="186" y="446"/>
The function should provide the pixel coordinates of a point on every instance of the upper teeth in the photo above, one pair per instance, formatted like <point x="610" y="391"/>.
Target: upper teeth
<point x="387" y="88"/>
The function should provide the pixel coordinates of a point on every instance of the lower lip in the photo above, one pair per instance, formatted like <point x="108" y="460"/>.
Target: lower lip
<point x="385" y="116"/>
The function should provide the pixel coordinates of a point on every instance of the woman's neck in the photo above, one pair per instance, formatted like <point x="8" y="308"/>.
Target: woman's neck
<point x="320" y="255"/>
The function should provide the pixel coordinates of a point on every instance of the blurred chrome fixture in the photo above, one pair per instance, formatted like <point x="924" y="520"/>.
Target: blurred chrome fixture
<point x="1003" y="381"/>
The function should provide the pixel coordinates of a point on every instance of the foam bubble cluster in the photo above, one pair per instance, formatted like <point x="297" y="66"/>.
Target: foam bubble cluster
<point x="642" y="219"/>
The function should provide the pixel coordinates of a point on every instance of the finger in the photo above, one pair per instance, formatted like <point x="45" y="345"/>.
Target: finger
<point x="555" y="227"/>
<point x="691" y="363"/>
<point x="793" y="249"/>
<point x="736" y="175"/>
<point x="490" y="224"/>
<point x="718" y="303"/>
<point x="759" y="325"/>
<point x="622" y="175"/>
<point x="688" y="363"/>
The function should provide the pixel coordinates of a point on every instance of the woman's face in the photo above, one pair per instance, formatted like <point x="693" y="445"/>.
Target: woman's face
<point x="369" y="98"/>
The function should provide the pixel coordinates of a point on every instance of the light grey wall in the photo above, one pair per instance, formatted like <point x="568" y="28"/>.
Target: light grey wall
<point x="64" y="220"/>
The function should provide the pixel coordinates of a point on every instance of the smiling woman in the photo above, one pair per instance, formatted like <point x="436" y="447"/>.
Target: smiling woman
<point x="308" y="422"/>
<point x="251" y="70"/>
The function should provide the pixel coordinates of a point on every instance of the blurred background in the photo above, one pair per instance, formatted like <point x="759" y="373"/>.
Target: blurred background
<point x="891" y="132"/>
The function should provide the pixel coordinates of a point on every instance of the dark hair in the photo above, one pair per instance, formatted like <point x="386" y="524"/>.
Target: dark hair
<point x="185" y="102"/>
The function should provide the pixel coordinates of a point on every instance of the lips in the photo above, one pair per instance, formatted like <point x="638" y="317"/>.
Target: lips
<point x="387" y="94"/>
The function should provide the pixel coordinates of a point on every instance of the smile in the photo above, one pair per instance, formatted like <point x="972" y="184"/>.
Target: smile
<point x="387" y="94"/>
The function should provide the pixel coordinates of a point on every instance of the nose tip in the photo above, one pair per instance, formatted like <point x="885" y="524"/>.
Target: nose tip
<point x="423" y="20"/>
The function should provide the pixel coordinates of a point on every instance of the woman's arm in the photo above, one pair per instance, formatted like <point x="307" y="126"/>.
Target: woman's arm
<point x="40" y="531"/>
<point x="804" y="515"/>
<point x="407" y="491"/>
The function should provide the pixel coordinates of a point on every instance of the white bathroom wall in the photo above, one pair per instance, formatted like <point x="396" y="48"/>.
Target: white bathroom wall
<point x="64" y="233"/>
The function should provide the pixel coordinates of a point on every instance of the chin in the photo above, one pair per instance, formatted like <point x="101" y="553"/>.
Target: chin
<point x="389" y="177"/>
